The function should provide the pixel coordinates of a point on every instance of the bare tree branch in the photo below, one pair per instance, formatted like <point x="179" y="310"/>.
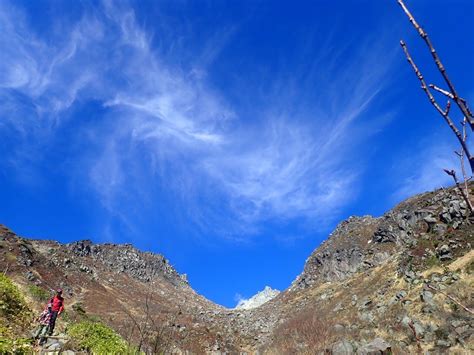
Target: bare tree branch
<point x="451" y="298"/>
<point x="417" y="338"/>
<point x="452" y="173"/>
<point x="444" y="92"/>
<point x="448" y="106"/>
<point x="461" y="158"/>
<point x="460" y="102"/>
<point x="443" y="113"/>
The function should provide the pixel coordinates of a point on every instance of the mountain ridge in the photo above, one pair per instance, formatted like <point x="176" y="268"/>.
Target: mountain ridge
<point x="368" y="271"/>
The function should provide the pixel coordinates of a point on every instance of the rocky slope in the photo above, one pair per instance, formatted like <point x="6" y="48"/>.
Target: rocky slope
<point x="402" y="281"/>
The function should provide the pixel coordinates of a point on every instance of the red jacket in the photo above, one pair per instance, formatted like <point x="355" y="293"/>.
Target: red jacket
<point x="57" y="304"/>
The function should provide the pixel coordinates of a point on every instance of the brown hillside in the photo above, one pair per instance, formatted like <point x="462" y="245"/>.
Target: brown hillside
<point x="402" y="281"/>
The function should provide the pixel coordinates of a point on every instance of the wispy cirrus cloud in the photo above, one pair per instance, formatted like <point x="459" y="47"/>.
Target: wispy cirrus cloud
<point x="165" y="124"/>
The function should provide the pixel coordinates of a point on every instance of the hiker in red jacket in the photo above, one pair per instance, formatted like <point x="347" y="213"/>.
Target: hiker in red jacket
<point x="55" y="306"/>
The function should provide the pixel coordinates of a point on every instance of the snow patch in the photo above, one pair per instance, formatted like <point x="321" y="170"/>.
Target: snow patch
<point x="260" y="298"/>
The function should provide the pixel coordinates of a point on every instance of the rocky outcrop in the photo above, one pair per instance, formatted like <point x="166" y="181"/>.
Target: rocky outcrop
<point x="124" y="258"/>
<point x="360" y="243"/>
<point x="346" y="251"/>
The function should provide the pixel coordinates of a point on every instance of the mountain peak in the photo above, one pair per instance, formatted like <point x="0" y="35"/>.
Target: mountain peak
<point x="258" y="299"/>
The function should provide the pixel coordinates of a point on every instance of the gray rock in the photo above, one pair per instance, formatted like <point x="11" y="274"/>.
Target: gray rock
<point x="446" y="217"/>
<point x="444" y="249"/>
<point x="342" y="347"/>
<point x="30" y="276"/>
<point x="420" y="330"/>
<point x="455" y="208"/>
<point x="443" y="343"/>
<point x="392" y="301"/>
<point x="457" y="323"/>
<point x="428" y="309"/>
<point x="376" y="346"/>
<point x="366" y="316"/>
<point x="444" y="252"/>
<point x="464" y="329"/>
<point x="445" y="257"/>
<point x="354" y="300"/>
<point x="440" y="228"/>
<point x="430" y="219"/>
<point x="410" y="275"/>
<point x="54" y="346"/>
<point x="427" y="297"/>
<point x="401" y="294"/>
<point x="405" y="321"/>
<point x="384" y="236"/>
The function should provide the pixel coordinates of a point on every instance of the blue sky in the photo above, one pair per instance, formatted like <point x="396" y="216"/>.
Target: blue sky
<point x="231" y="136"/>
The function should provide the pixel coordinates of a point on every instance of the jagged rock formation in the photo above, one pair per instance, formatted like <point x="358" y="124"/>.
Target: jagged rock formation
<point x="258" y="299"/>
<point x="124" y="258"/>
<point x="401" y="281"/>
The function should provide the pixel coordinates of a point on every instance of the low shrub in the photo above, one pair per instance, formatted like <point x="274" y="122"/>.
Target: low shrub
<point x="14" y="316"/>
<point x="39" y="293"/>
<point x="97" y="338"/>
<point x="18" y="346"/>
<point x="12" y="302"/>
<point x="78" y="308"/>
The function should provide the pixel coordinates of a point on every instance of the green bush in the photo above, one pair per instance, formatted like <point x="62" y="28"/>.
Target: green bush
<point x="78" y="308"/>
<point x="432" y="261"/>
<point x="97" y="338"/>
<point x="39" y="293"/>
<point x="12" y="302"/>
<point x="14" y="315"/>
<point x="15" y="346"/>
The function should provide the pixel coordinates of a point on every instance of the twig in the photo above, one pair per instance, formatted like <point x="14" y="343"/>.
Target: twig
<point x="444" y="92"/>
<point x="451" y="298"/>
<point x="459" y="101"/>
<point x="417" y="338"/>
<point x="448" y="107"/>
<point x="461" y="158"/>
<point x="444" y="113"/>
<point x="452" y="173"/>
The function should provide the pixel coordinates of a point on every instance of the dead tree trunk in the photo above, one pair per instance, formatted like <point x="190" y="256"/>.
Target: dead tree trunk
<point x="451" y="93"/>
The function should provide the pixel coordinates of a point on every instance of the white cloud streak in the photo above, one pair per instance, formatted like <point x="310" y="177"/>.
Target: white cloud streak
<point x="282" y="165"/>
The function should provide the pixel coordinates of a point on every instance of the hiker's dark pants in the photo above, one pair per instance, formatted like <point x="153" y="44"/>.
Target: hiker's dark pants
<point x="52" y="321"/>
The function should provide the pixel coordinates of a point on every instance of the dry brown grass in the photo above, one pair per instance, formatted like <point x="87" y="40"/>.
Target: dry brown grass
<point x="306" y="333"/>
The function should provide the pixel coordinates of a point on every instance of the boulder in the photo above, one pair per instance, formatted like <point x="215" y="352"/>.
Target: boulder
<point x="376" y="346"/>
<point x="427" y="297"/>
<point x="342" y="347"/>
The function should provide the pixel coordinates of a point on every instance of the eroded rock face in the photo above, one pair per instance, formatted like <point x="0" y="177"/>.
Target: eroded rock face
<point x="124" y="258"/>
<point x="361" y="243"/>
<point x="346" y="251"/>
